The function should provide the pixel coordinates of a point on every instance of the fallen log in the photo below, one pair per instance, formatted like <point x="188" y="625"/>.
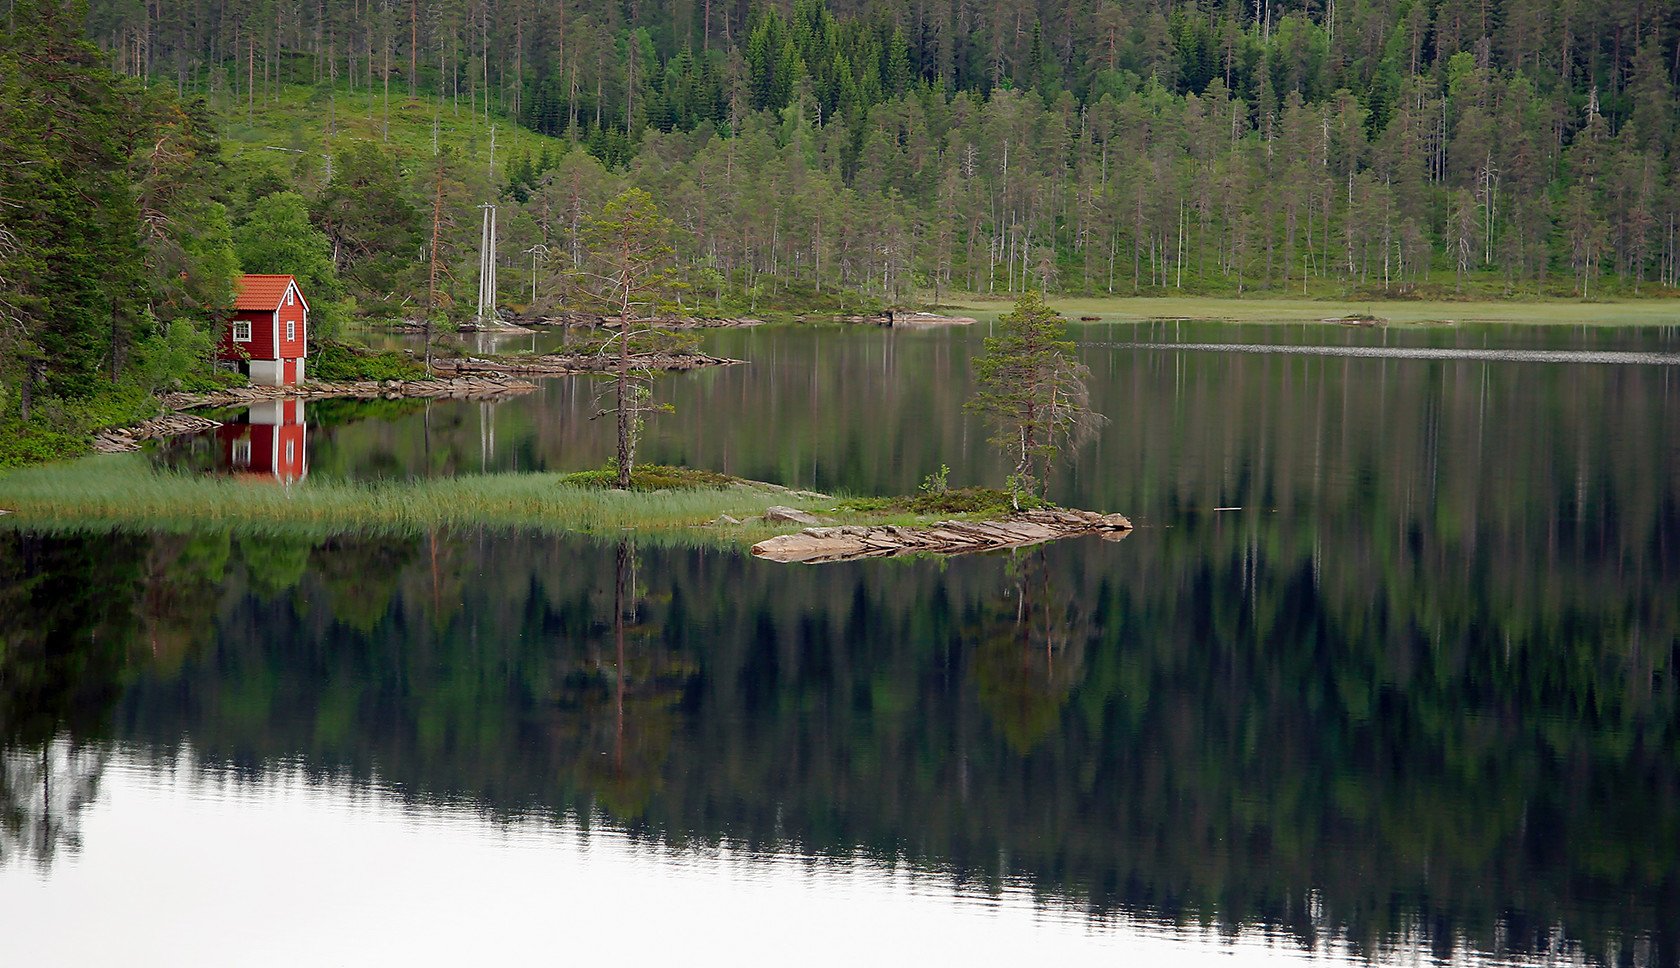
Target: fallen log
<point x="851" y="542"/>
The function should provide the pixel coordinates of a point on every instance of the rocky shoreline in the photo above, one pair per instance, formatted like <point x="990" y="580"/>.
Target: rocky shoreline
<point x="118" y="440"/>
<point x="568" y="364"/>
<point x="568" y="317"/>
<point x="483" y="387"/>
<point x="822" y="545"/>
<point x="457" y="379"/>
<point x="122" y="440"/>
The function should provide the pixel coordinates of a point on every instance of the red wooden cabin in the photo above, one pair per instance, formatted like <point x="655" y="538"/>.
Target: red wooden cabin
<point x="272" y="442"/>
<point x="268" y="335"/>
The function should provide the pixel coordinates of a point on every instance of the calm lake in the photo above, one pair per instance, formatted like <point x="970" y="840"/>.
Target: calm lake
<point x="1390" y="670"/>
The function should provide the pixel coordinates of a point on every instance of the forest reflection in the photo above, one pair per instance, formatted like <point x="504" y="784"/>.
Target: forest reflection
<point x="1232" y="736"/>
<point x="1420" y="684"/>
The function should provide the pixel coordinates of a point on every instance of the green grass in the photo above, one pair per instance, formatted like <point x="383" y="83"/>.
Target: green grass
<point x="671" y="505"/>
<point x="126" y="492"/>
<point x="275" y="133"/>
<point x="966" y="502"/>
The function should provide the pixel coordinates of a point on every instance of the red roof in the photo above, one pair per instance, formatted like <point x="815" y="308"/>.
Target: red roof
<point x="263" y="293"/>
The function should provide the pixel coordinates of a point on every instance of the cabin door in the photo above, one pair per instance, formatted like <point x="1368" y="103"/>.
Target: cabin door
<point x="288" y="376"/>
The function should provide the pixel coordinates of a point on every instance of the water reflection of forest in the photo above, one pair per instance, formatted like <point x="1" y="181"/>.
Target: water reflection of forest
<point x="1204" y="722"/>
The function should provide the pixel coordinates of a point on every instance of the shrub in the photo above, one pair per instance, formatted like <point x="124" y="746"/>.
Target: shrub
<point x="337" y="362"/>
<point x="22" y="444"/>
<point x="652" y="477"/>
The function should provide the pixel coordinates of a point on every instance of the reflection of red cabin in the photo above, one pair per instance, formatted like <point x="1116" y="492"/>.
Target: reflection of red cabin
<point x="268" y="334"/>
<point x="271" y="444"/>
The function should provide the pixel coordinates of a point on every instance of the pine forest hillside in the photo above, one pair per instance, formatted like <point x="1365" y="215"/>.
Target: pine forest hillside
<point x="1092" y="146"/>
<point x="836" y="156"/>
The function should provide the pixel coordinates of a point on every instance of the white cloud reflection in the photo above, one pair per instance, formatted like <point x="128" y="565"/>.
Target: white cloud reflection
<point x="182" y="866"/>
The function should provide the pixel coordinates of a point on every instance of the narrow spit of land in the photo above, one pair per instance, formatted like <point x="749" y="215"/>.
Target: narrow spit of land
<point x="667" y="505"/>
<point x="1399" y="312"/>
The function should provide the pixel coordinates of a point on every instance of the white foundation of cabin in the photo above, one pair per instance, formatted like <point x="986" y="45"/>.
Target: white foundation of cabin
<point x="272" y="373"/>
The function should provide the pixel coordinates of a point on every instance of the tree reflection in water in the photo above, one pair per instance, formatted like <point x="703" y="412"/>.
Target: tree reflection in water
<point x="1194" y="725"/>
<point x="620" y="755"/>
<point x="1029" y="652"/>
<point x="43" y="792"/>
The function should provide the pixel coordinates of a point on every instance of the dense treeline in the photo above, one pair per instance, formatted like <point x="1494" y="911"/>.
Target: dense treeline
<point x="1091" y="147"/>
<point x="110" y="225"/>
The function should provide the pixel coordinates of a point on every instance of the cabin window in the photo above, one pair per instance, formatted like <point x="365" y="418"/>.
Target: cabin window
<point x="289" y="301"/>
<point x="291" y="329"/>
<point x="291" y="455"/>
<point x="241" y="331"/>
<point x="242" y="451"/>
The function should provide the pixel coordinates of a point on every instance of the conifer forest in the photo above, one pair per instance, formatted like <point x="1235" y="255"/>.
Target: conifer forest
<point x="852" y="154"/>
<point x="1091" y="146"/>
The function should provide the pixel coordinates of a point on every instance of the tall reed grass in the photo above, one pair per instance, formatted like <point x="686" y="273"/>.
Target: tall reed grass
<point x="124" y="492"/>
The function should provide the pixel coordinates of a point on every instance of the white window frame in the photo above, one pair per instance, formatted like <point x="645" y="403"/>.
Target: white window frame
<point x="291" y="329"/>
<point x="241" y="456"/>
<point x="289" y="300"/>
<point x="242" y="325"/>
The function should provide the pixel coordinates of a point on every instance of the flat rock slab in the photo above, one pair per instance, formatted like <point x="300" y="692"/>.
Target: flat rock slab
<point x="850" y="542"/>
<point x="125" y="439"/>
<point x="781" y="513"/>
<point x="931" y="319"/>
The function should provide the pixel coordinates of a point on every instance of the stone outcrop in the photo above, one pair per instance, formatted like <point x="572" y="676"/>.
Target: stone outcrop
<point x="850" y="542"/>
<point x="124" y="439"/>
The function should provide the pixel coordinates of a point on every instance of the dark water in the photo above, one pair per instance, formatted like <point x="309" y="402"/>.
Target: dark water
<point x="1388" y="671"/>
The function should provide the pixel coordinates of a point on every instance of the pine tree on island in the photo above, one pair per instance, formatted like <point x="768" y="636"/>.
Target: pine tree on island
<point x="1032" y="393"/>
<point x="631" y="255"/>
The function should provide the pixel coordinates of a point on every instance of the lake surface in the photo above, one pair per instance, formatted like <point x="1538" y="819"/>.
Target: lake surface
<point x="1388" y="671"/>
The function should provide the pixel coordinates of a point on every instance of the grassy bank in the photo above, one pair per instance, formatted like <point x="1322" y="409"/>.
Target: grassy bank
<point x="1642" y="312"/>
<point x="125" y="491"/>
<point x="669" y="505"/>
